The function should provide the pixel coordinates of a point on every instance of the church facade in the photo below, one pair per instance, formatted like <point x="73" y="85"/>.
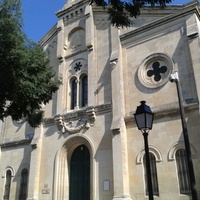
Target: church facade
<point x="89" y="147"/>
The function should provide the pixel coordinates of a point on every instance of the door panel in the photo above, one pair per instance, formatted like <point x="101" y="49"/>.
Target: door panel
<point x="80" y="174"/>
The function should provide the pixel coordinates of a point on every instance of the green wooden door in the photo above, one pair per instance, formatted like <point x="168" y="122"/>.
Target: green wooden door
<point x="80" y="174"/>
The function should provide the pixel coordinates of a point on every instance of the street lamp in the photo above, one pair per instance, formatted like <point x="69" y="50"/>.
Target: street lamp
<point x="174" y="78"/>
<point x="144" y="120"/>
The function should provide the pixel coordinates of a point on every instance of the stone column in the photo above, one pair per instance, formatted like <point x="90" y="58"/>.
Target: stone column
<point x="118" y="127"/>
<point x="78" y="93"/>
<point x="35" y="162"/>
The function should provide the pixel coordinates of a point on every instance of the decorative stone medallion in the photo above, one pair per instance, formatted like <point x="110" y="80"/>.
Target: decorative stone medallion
<point x="155" y="70"/>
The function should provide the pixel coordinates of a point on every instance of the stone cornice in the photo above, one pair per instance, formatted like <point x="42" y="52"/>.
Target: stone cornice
<point x="76" y="115"/>
<point x="167" y="110"/>
<point x="14" y="143"/>
<point x="185" y="10"/>
<point x="67" y="10"/>
<point x="49" y="35"/>
<point x="68" y="20"/>
<point x="87" y="48"/>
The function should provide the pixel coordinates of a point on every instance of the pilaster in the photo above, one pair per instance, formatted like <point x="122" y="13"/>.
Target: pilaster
<point x="34" y="173"/>
<point x="193" y="34"/>
<point x="89" y="28"/>
<point x="118" y="127"/>
<point x="120" y="163"/>
<point x="60" y="57"/>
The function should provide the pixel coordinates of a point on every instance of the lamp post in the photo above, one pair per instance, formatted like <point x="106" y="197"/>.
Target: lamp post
<point x="174" y="78"/>
<point x="144" y="120"/>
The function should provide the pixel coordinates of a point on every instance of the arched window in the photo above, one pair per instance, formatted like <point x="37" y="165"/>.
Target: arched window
<point x="24" y="185"/>
<point x="78" y="79"/>
<point x="84" y="91"/>
<point x="7" y="185"/>
<point x="182" y="170"/>
<point x="154" y="177"/>
<point x="73" y="93"/>
<point x="79" y="92"/>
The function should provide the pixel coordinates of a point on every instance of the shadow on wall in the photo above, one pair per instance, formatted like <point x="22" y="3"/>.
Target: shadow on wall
<point x="183" y="61"/>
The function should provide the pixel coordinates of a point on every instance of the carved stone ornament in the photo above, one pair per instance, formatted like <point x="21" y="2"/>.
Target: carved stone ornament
<point x="91" y="117"/>
<point x="75" y="126"/>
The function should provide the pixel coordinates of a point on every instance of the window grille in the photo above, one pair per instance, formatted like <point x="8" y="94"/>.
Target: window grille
<point x="154" y="177"/>
<point x="183" y="173"/>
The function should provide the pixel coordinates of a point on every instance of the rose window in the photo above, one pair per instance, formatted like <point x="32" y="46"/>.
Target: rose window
<point x="155" y="70"/>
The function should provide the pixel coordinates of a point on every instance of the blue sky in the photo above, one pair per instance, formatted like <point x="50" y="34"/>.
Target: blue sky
<point x="39" y="16"/>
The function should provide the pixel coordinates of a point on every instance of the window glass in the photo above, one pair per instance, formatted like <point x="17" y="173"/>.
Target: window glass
<point x="73" y="93"/>
<point x="84" y="91"/>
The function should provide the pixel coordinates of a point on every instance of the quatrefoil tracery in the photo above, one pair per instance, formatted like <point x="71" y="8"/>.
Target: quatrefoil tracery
<point x="157" y="71"/>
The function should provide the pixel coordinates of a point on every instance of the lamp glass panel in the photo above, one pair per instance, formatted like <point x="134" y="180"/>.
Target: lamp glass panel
<point x="149" y="120"/>
<point x="140" y="120"/>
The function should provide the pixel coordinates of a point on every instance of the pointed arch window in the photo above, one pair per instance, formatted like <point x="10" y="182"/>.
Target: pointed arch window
<point x="154" y="176"/>
<point x="24" y="185"/>
<point x="182" y="170"/>
<point x="7" y="185"/>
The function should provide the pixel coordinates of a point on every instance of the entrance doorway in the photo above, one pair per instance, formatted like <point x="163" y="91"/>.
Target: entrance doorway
<point x="80" y="174"/>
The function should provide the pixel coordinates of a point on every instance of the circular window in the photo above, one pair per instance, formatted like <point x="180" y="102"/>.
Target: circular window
<point x="155" y="70"/>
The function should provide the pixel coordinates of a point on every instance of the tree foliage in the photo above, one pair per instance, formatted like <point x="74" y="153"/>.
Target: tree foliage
<point x="26" y="79"/>
<point x="121" y="11"/>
